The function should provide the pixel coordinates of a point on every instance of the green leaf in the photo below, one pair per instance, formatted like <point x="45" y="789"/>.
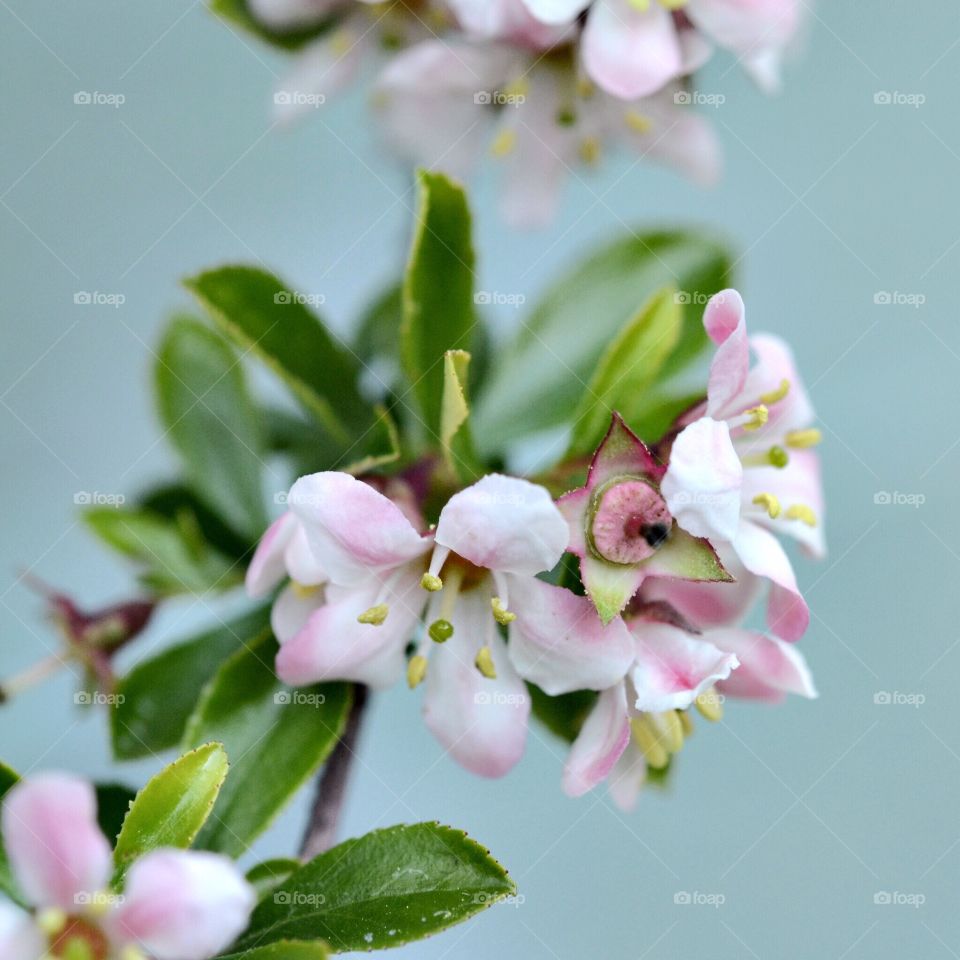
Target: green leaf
<point x="284" y="950"/>
<point x="277" y="737"/>
<point x="455" y="439"/>
<point x="173" y="553"/>
<point x="537" y="380"/>
<point x="157" y="697"/>
<point x="384" y="889"/>
<point x="267" y="876"/>
<point x="170" y="810"/>
<point x="563" y="715"/>
<point x="627" y="370"/>
<point x="8" y="779"/>
<point x="438" y="310"/>
<point x="113" y="805"/>
<point x="238" y="12"/>
<point x="264" y="317"/>
<point x="211" y="421"/>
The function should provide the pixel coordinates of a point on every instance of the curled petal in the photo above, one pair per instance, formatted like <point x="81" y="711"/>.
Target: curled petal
<point x="559" y="642"/>
<point x="703" y="480"/>
<point x="183" y="905"/>
<point x="504" y="524"/>
<point x="352" y="529"/>
<point x="481" y="722"/>
<point x="726" y="324"/>
<point x="627" y="778"/>
<point x="774" y="363"/>
<point x="673" y="668"/>
<point x="602" y="739"/>
<point x="52" y="839"/>
<point x="769" y="668"/>
<point x="292" y="609"/>
<point x="268" y="567"/>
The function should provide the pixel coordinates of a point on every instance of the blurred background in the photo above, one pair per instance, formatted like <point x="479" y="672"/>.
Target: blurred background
<point x="827" y="829"/>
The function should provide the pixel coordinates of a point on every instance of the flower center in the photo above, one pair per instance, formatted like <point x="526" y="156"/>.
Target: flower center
<point x="79" y="940"/>
<point x="629" y="521"/>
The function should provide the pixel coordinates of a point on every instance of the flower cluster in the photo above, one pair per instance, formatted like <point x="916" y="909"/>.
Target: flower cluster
<point x="673" y="544"/>
<point x="174" y="905"/>
<point x="543" y="85"/>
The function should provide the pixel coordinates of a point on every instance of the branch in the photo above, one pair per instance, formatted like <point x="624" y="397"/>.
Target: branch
<point x="321" y="832"/>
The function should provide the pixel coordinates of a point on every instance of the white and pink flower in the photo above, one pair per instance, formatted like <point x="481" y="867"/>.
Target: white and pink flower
<point x="175" y="904"/>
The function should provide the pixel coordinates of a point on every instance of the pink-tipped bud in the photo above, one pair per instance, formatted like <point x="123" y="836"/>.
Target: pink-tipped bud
<point x="630" y="520"/>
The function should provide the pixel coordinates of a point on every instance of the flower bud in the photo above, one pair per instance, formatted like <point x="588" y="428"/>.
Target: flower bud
<point x="629" y="521"/>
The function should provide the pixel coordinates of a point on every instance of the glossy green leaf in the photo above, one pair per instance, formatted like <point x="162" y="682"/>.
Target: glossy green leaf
<point x="211" y="421"/>
<point x="627" y="371"/>
<point x="267" y="319"/>
<point x="7" y="884"/>
<point x="239" y="13"/>
<point x="277" y="738"/>
<point x="284" y="950"/>
<point x="170" y="810"/>
<point x="455" y="439"/>
<point x="158" y="696"/>
<point x="384" y="889"/>
<point x="267" y="876"/>
<point x="537" y="380"/>
<point x="172" y="553"/>
<point x="438" y="312"/>
<point x="113" y="805"/>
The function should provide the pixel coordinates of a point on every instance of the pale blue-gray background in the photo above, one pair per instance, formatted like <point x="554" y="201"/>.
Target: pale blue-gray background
<point x="799" y="816"/>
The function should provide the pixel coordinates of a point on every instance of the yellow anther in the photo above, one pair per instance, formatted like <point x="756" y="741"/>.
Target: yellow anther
<point x="431" y="582"/>
<point x="758" y="416"/>
<point x="484" y="663"/>
<point x="132" y="953"/>
<point x="642" y="5"/>
<point x="710" y="705"/>
<point x="52" y="921"/>
<point x="673" y="4"/>
<point x="686" y="721"/>
<point x="590" y="150"/>
<point x="647" y="740"/>
<point x="517" y="88"/>
<point x="341" y="42"/>
<point x="637" y="122"/>
<point x="305" y="591"/>
<point x="775" y="396"/>
<point x="375" y="615"/>
<point x="800" y="511"/>
<point x="416" y="671"/>
<point x="801" y="439"/>
<point x="504" y="143"/>
<point x="669" y="728"/>
<point x="501" y="614"/>
<point x="585" y="87"/>
<point x="769" y="503"/>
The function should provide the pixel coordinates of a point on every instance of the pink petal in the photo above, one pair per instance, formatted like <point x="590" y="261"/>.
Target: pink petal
<point x="352" y="529"/>
<point x="627" y="778"/>
<point x="574" y="506"/>
<point x="183" y="905"/>
<point x="630" y="53"/>
<point x="292" y="609"/>
<point x="482" y="723"/>
<point x="333" y="645"/>
<point x="559" y="643"/>
<point x="760" y="552"/>
<point x="52" y="839"/>
<point x="602" y="739"/>
<point x="769" y="668"/>
<point x="268" y="568"/>
<point x="774" y="364"/>
<point x="703" y="479"/>
<point x="673" y="668"/>
<point x="726" y="324"/>
<point x="504" y="524"/>
<point x="19" y="937"/>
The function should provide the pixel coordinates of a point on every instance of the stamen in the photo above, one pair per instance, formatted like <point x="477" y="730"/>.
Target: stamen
<point x="590" y="150"/>
<point x="649" y="743"/>
<point x="484" y="663"/>
<point x="52" y="921"/>
<point x="669" y="729"/>
<point x="304" y="590"/>
<point x="637" y="122"/>
<point x="431" y="583"/>
<point x="801" y="439"/>
<point x="776" y="456"/>
<point x="775" y="396"/>
<point x="769" y="503"/>
<point x="416" y="671"/>
<point x="30" y="677"/>
<point x="757" y="417"/>
<point x="500" y="613"/>
<point x="440" y="631"/>
<point x="686" y="721"/>
<point x="709" y="705"/>
<point x="800" y="511"/>
<point x="375" y="615"/>
<point x="504" y="143"/>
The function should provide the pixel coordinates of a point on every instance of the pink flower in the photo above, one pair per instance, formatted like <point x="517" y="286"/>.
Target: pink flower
<point x="176" y="904"/>
<point x="742" y="469"/>
<point x="622" y="529"/>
